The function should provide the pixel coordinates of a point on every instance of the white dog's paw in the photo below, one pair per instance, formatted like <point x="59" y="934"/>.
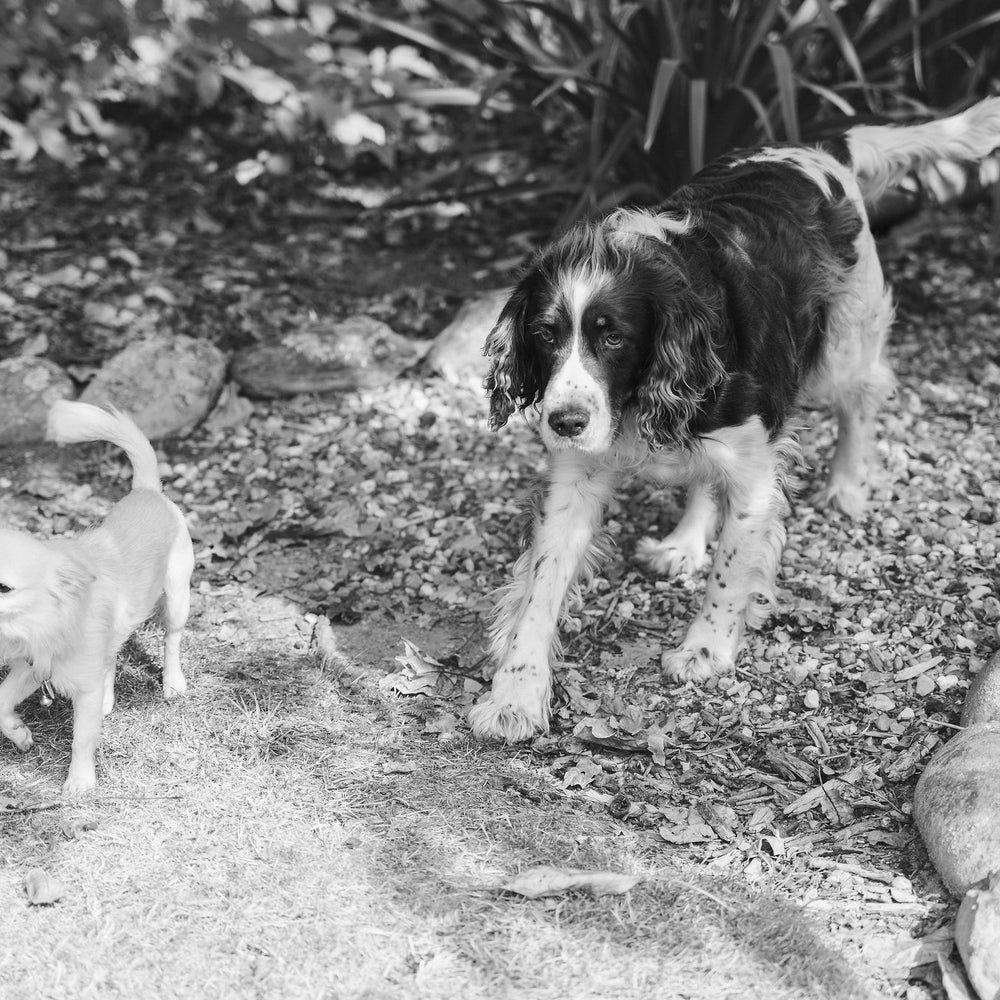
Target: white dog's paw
<point x="174" y="687"/>
<point x="697" y="664"/>
<point x="499" y="720"/>
<point x="80" y="780"/>
<point x="18" y="733"/>
<point x="672" y="556"/>
<point x="848" y="497"/>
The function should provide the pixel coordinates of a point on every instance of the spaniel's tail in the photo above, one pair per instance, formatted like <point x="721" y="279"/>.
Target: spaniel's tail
<point x="882" y="154"/>
<point x="71" y="422"/>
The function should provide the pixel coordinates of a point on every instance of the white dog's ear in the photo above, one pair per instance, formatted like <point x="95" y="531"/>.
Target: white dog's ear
<point x="70" y="578"/>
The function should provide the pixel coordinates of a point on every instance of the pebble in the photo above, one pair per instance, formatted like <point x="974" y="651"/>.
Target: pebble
<point x="811" y="699"/>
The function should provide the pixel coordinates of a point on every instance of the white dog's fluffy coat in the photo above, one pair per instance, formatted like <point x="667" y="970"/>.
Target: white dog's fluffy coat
<point x="67" y="605"/>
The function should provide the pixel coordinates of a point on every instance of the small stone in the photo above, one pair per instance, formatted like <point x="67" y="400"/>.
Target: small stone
<point x="881" y="703"/>
<point x="810" y="699"/>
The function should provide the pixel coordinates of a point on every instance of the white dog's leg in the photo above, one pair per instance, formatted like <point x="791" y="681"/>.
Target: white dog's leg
<point x="108" y="703"/>
<point x="88" y="717"/>
<point x="15" y="687"/>
<point x="685" y="549"/>
<point x="741" y="580"/>
<point x="527" y="616"/>
<point x="176" y="607"/>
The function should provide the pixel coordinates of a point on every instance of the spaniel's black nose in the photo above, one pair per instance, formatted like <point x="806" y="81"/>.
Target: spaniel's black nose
<point x="569" y="423"/>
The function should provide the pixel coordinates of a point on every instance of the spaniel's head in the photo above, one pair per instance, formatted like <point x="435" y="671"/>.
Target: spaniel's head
<point x="611" y="319"/>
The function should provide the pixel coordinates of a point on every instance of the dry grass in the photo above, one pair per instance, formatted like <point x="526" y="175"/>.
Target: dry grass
<point x="256" y="839"/>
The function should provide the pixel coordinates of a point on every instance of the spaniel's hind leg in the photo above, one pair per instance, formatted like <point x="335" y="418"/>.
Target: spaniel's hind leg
<point x="752" y="473"/>
<point x="857" y="380"/>
<point x="685" y="549"/>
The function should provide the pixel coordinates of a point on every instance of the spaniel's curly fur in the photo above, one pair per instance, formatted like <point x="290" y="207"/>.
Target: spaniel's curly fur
<point x="679" y="343"/>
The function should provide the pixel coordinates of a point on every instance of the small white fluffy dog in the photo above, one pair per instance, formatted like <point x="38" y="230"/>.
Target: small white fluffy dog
<point x="67" y="605"/>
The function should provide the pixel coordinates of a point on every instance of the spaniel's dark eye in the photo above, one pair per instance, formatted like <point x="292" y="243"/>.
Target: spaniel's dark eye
<point x="547" y="335"/>
<point x="613" y="340"/>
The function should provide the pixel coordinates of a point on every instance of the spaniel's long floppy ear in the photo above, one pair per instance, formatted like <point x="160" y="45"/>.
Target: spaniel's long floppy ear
<point x="515" y="379"/>
<point x="684" y="366"/>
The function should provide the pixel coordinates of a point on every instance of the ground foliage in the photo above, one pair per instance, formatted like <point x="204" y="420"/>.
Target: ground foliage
<point x="393" y="514"/>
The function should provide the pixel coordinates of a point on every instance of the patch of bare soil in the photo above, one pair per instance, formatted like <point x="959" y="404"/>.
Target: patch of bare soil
<point x="329" y="531"/>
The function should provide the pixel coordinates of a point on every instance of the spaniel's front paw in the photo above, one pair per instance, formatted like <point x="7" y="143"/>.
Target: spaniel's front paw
<point x="847" y="496"/>
<point x="494" y="719"/>
<point x="697" y="664"/>
<point x="673" y="555"/>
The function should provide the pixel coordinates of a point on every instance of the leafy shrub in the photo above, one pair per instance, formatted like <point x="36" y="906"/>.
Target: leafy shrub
<point x="660" y="86"/>
<point x="54" y="62"/>
<point x="644" y="91"/>
<point x="68" y="66"/>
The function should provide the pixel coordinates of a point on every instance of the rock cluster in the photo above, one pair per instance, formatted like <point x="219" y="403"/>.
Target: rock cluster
<point x="170" y="384"/>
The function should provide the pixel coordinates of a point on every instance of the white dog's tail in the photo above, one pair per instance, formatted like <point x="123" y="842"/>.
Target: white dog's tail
<point x="70" y="423"/>
<point x="882" y="154"/>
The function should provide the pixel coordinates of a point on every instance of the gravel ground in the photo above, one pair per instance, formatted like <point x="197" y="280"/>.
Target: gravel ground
<point x="394" y="514"/>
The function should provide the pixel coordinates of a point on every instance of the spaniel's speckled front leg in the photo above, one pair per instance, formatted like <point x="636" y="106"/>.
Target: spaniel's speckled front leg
<point x="526" y="618"/>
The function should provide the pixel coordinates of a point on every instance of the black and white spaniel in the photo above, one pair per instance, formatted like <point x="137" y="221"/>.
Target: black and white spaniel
<point x="678" y="344"/>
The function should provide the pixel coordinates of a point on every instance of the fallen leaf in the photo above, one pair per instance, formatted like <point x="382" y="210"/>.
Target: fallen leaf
<point x="692" y="833"/>
<point x="398" y="767"/>
<point x="418" y="673"/>
<point x="42" y="888"/>
<point x="544" y="880"/>
<point x="582" y="773"/>
<point x="600" y="733"/>
<point x="75" y="829"/>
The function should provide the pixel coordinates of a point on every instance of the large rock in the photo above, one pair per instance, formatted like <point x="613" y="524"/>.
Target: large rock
<point x="982" y="701"/>
<point x="457" y="351"/>
<point x="956" y="806"/>
<point x="167" y="384"/>
<point x="28" y="387"/>
<point x="358" y="353"/>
